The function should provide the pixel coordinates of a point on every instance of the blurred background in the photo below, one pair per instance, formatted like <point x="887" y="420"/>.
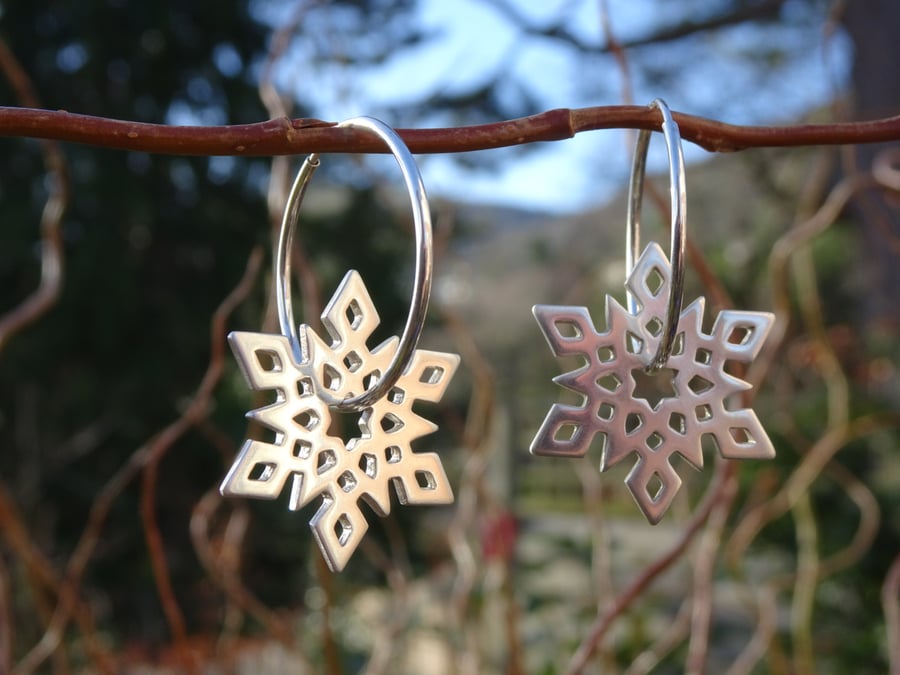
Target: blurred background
<point x="121" y="273"/>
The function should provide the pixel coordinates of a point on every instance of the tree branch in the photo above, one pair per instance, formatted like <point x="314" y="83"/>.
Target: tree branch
<point x="285" y="137"/>
<point x="763" y="11"/>
<point x="766" y="10"/>
<point x="42" y="299"/>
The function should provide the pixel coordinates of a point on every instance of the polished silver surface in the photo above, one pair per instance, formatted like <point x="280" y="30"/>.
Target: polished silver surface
<point x="653" y="414"/>
<point x="678" y="224"/>
<point x="321" y="466"/>
<point x="421" y="290"/>
<point x="314" y="379"/>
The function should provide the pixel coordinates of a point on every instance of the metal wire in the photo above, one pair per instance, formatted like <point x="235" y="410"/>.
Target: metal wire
<point x="421" y="292"/>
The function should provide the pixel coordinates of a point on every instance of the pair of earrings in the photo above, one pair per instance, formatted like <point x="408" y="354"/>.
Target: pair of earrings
<point x="652" y="339"/>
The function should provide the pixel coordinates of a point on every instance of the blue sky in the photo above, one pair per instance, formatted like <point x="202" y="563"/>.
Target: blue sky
<point x="475" y="42"/>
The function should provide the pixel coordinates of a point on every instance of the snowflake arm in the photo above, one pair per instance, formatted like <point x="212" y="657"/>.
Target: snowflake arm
<point x="632" y="421"/>
<point x="337" y="472"/>
<point x="391" y="426"/>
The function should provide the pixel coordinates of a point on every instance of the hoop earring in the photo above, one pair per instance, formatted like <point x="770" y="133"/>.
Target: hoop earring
<point x="313" y="379"/>
<point x="653" y="383"/>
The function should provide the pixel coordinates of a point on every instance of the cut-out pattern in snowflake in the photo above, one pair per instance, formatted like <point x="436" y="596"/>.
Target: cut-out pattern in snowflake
<point x="325" y="467"/>
<point x="654" y="415"/>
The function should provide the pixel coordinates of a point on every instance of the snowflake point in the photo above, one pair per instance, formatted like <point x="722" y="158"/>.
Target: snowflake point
<point x="338" y="472"/>
<point x="652" y="414"/>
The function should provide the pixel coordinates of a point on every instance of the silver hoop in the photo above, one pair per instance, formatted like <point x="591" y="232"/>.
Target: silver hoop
<point x="678" y="196"/>
<point x="421" y="292"/>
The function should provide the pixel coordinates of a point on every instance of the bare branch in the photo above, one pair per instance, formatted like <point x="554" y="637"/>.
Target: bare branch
<point x="890" y="598"/>
<point x="6" y="624"/>
<point x="52" y="253"/>
<point x="765" y="10"/>
<point x="761" y="11"/>
<point x="283" y="136"/>
<point x="810" y="467"/>
<point x="152" y="451"/>
<point x="196" y="411"/>
<point x="719" y="490"/>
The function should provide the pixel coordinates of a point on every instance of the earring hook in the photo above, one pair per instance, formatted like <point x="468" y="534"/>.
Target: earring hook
<point x="678" y="196"/>
<point x="421" y="292"/>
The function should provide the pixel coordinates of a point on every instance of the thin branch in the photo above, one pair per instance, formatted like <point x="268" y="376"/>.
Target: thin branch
<point x="766" y="10"/>
<point x="276" y="104"/>
<point x="44" y="296"/>
<point x="704" y="565"/>
<point x="890" y="599"/>
<point x="474" y="500"/>
<point x="196" y="411"/>
<point x="805" y="583"/>
<point x="615" y="47"/>
<point x="810" y="467"/>
<point x="68" y="596"/>
<point x="20" y="542"/>
<point x="666" y="642"/>
<point x="222" y="564"/>
<point x="717" y="491"/>
<point x="284" y="136"/>
<point x="761" y="11"/>
<point x="869" y="521"/>
<point x="6" y="624"/>
<point x="766" y="622"/>
<point x="387" y="641"/>
<point x="330" y="650"/>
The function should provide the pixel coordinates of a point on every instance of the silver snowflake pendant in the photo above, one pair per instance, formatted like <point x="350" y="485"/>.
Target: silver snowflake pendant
<point x="324" y="467"/>
<point x="653" y="414"/>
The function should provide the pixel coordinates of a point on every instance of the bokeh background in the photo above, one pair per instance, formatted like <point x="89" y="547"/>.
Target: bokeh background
<point x="120" y="408"/>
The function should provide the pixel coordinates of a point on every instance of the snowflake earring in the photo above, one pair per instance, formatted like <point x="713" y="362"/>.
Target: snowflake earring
<point x="653" y="382"/>
<point x="314" y="378"/>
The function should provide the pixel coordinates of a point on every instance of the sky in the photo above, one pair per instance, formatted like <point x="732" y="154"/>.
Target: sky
<point x="474" y="41"/>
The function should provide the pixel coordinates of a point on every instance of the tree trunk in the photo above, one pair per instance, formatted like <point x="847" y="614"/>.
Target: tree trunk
<point x="873" y="27"/>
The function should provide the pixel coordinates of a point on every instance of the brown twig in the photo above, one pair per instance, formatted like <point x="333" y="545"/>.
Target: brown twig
<point x="809" y="223"/>
<point x="807" y="535"/>
<point x="52" y="253"/>
<point x="674" y="634"/>
<point x="157" y="553"/>
<point x="810" y="467"/>
<point x="193" y="413"/>
<point x="276" y="199"/>
<point x="285" y="136"/>
<point x="27" y="312"/>
<point x="474" y="499"/>
<point x="869" y="520"/>
<point x="330" y="652"/>
<point x="717" y="491"/>
<point x="601" y="539"/>
<point x="68" y="593"/>
<point x="21" y="543"/>
<point x="704" y="564"/>
<point x="766" y="622"/>
<point x="278" y="107"/>
<point x="6" y="625"/>
<point x="614" y="46"/>
<point x="890" y="600"/>
<point x="222" y="564"/>
<point x="732" y="15"/>
<point x="866" y="531"/>
<point x="276" y="104"/>
<point x="388" y="640"/>
<point x="805" y="582"/>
